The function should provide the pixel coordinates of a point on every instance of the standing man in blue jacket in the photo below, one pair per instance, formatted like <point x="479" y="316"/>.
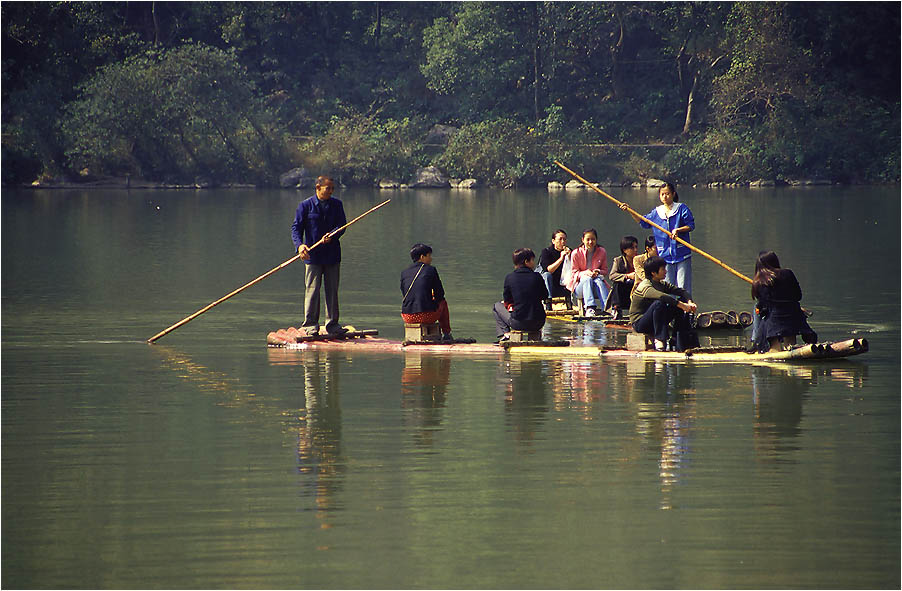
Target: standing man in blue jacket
<point x="315" y="219"/>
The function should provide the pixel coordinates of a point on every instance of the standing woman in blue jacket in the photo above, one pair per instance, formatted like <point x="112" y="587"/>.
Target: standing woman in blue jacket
<point x="677" y="219"/>
<point x="315" y="219"/>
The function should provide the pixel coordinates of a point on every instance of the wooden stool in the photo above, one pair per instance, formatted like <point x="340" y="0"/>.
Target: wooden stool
<point x="559" y="303"/>
<point x="518" y="336"/>
<point x="637" y="341"/>
<point x="422" y="332"/>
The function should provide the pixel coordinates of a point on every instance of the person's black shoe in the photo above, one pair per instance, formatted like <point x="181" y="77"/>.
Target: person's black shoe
<point x="337" y="331"/>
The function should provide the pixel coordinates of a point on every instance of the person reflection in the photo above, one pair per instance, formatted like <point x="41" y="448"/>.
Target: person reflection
<point x="778" y="395"/>
<point x="665" y="414"/>
<point x="319" y="436"/>
<point x="424" y="385"/>
<point x="580" y="382"/>
<point x="526" y="397"/>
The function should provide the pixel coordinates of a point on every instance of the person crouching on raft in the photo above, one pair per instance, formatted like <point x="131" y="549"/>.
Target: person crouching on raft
<point x="678" y="220"/>
<point x="778" y="314"/>
<point x="589" y="267"/>
<point x="424" y="296"/>
<point x="524" y="293"/>
<point x="655" y="303"/>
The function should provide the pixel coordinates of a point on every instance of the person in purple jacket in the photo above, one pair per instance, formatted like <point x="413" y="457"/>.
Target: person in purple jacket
<point x="678" y="220"/>
<point x="315" y="219"/>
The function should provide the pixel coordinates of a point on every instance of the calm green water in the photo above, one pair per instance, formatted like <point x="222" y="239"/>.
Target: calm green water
<point x="209" y="461"/>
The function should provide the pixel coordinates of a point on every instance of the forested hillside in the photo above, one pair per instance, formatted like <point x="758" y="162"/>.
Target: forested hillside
<point x="243" y="91"/>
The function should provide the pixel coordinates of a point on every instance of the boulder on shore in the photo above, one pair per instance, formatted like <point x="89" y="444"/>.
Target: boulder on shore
<point x="467" y="184"/>
<point x="654" y="183"/>
<point x="440" y="134"/>
<point x="297" y="178"/>
<point x="389" y="184"/>
<point x="430" y="176"/>
<point x="574" y="185"/>
<point x="555" y="186"/>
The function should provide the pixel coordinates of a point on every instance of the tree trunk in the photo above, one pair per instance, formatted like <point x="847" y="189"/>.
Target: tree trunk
<point x="378" y="32"/>
<point x="156" y="23"/>
<point x="536" y="58"/>
<point x="687" y="126"/>
<point x="616" y="50"/>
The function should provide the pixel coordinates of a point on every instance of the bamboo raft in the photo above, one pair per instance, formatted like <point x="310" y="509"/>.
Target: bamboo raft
<point x="367" y="340"/>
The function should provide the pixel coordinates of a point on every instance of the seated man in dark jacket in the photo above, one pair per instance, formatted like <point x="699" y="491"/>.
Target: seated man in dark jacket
<point x="655" y="303"/>
<point x="524" y="294"/>
<point x="424" y="297"/>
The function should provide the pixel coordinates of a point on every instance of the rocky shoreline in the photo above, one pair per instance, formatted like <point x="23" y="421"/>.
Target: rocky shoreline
<point x="428" y="177"/>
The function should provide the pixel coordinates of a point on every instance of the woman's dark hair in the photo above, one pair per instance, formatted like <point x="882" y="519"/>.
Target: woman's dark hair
<point x="628" y="241"/>
<point x="521" y="255"/>
<point x="765" y="270"/>
<point x="592" y="230"/>
<point x="558" y="231"/>
<point x="650" y="241"/>
<point x="676" y="196"/>
<point x="418" y="250"/>
<point x="652" y="265"/>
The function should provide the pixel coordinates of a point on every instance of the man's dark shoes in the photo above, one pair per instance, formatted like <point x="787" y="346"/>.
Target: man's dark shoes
<point x="337" y="331"/>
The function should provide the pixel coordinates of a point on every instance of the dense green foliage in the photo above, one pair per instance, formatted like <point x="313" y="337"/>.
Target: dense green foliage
<point x="242" y="91"/>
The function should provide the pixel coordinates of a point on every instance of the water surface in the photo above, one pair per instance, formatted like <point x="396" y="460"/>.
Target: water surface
<point x="208" y="460"/>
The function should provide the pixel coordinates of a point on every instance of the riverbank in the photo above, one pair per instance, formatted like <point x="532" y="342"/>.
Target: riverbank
<point x="553" y="186"/>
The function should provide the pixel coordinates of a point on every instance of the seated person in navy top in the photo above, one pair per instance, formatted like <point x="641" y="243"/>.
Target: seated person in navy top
<point x="424" y="296"/>
<point x="524" y="293"/>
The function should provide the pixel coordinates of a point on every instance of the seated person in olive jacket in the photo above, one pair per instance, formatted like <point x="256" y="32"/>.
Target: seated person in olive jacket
<point x="524" y="294"/>
<point x="424" y="296"/>
<point x="655" y="303"/>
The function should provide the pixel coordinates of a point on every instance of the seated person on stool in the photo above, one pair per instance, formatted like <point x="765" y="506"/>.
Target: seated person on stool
<point x="655" y="303"/>
<point x="552" y="263"/>
<point x="623" y="277"/>
<point x="524" y="292"/>
<point x="424" y="297"/>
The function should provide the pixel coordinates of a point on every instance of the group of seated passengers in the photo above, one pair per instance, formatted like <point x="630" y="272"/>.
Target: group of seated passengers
<point x="587" y="270"/>
<point x="639" y="286"/>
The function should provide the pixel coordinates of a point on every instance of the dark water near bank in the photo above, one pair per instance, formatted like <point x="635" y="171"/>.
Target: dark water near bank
<point x="209" y="461"/>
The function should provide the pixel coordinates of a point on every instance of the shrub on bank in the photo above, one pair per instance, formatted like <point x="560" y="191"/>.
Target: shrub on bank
<point x="362" y="148"/>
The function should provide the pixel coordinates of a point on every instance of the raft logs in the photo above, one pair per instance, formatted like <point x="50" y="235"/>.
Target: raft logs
<point x="723" y="319"/>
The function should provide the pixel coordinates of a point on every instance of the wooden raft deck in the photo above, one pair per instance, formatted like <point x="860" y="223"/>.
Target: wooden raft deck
<point x="367" y="341"/>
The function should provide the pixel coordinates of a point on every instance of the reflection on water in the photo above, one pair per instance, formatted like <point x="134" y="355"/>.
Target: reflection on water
<point x="524" y="385"/>
<point x="424" y="386"/>
<point x="778" y="393"/>
<point x="665" y="416"/>
<point x="320" y="458"/>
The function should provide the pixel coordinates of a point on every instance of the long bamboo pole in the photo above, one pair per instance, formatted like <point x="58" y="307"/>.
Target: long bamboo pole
<point x="665" y="230"/>
<point x="258" y="279"/>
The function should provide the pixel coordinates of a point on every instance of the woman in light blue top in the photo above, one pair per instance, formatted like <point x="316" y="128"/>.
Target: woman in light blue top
<point x="677" y="219"/>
